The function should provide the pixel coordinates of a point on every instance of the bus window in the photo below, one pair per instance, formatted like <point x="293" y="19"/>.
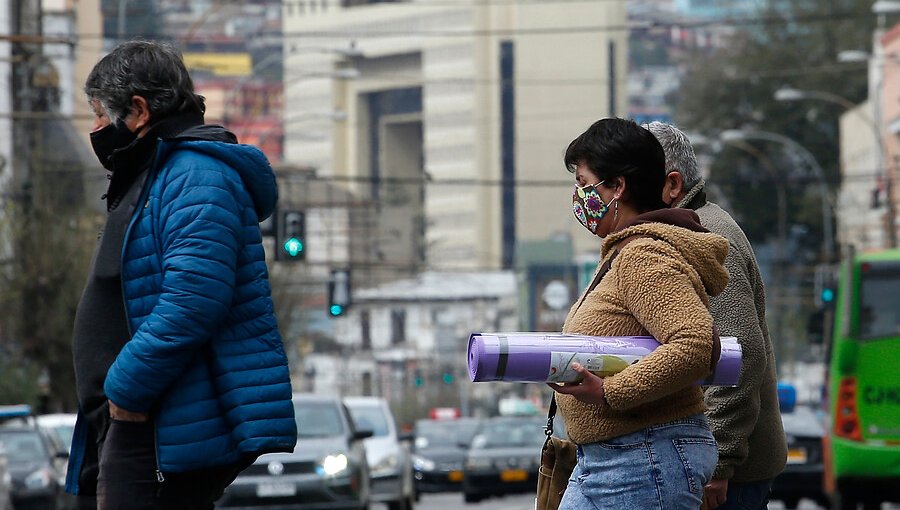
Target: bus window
<point x="879" y="310"/>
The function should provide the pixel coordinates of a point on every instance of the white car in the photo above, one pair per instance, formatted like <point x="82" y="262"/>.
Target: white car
<point x="5" y="482"/>
<point x="390" y="463"/>
<point x="61" y="426"/>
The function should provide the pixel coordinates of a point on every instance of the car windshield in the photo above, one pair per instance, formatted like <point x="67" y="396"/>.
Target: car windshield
<point x="23" y="446"/>
<point x="370" y="418"/>
<point x="63" y="434"/>
<point x="453" y="433"/>
<point x="318" y="419"/>
<point x="510" y="434"/>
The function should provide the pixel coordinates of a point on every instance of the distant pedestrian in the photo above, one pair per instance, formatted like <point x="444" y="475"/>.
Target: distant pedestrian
<point x="643" y="440"/>
<point x="182" y="379"/>
<point x="745" y="419"/>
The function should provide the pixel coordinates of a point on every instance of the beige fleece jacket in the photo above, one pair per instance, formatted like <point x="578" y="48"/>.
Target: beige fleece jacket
<point x="658" y="286"/>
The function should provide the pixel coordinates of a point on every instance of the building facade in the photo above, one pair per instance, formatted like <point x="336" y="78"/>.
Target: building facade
<point x="406" y="341"/>
<point x="870" y="154"/>
<point x="455" y="119"/>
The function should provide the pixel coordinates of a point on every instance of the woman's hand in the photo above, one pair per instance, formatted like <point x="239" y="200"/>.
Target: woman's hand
<point x="589" y="390"/>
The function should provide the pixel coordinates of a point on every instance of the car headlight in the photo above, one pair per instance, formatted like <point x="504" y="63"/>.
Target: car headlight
<point x="385" y="465"/>
<point x="423" y="464"/>
<point x="40" y="479"/>
<point x="476" y="463"/>
<point x="334" y="464"/>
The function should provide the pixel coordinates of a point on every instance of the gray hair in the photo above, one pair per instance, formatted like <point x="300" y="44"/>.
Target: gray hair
<point x="679" y="152"/>
<point x="152" y="70"/>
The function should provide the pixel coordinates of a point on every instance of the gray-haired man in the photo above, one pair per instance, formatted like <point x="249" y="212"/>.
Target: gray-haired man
<point x="181" y="375"/>
<point x="745" y="419"/>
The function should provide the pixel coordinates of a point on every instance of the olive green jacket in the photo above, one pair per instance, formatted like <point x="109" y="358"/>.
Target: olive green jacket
<point x="745" y="419"/>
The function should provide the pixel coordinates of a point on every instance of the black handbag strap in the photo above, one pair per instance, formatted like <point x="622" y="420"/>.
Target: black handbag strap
<point x="551" y="413"/>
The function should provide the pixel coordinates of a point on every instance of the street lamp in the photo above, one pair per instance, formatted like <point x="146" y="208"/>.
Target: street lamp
<point x="792" y="94"/>
<point x="827" y="201"/>
<point x="882" y="7"/>
<point x="884" y="165"/>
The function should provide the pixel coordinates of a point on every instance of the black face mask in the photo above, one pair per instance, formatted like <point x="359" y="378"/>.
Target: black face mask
<point x="107" y="140"/>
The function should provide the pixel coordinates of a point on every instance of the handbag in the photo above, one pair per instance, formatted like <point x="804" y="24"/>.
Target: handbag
<point x="558" y="460"/>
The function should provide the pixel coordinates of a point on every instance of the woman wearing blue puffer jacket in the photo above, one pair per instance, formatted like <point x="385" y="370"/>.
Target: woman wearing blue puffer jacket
<point x="181" y="374"/>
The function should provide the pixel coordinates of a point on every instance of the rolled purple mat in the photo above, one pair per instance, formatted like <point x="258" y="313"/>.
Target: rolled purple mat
<point x="542" y="357"/>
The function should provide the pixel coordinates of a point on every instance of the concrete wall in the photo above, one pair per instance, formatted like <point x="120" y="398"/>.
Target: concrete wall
<point x="859" y="159"/>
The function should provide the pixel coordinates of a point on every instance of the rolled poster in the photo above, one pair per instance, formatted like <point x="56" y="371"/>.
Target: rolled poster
<point x="547" y="357"/>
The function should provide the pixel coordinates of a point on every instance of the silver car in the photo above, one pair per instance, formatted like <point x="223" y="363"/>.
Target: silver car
<point x="390" y="462"/>
<point x="326" y="471"/>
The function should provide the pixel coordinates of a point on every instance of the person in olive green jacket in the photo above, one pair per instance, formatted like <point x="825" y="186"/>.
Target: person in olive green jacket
<point x="745" y="420"/>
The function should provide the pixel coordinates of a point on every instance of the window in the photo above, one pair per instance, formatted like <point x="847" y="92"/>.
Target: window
<point x="365" y="324"/>
<point x="398" y="326"/>
<point x="879" y="315"/>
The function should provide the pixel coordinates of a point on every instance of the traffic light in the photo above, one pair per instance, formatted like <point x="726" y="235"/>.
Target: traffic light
<point x="815" y="326"/>
<point x="338" y="292"/>
<point x="448" y="378"/>
<point x="418" y="380"/>
<point x="291" y="241"/>
<point x="825" y="286"/>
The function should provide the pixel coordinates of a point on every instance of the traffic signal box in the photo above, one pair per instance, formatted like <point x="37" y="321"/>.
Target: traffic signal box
<point x="291" y="239"/>
<point x="338" y="292"/>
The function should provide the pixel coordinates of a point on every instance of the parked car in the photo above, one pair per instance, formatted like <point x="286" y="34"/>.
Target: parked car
<point x="504" y="457"/>
<point x="327" y="469"/>
<point x="390" y="463"/>
<point x="35" y="467"/>
<point x="803" y="476"/>
<point x="439" y="449"/>
<point x="61" y="426"/>
<point x="5" y="482"/>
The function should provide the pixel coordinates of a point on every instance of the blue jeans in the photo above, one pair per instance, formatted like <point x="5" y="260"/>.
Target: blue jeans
<point x="662" y="467"/>
<point x="747" y="496"/>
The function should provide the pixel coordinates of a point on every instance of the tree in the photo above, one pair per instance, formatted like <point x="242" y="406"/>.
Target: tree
<point x="49" y="243"/>
<point x="733" y="87"/>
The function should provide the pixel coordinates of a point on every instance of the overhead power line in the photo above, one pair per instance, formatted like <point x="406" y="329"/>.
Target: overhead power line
<point x="754" y="20"/>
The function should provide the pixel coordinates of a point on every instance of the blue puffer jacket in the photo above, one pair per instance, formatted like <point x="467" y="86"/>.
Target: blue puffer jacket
<point x="205" y="358"/>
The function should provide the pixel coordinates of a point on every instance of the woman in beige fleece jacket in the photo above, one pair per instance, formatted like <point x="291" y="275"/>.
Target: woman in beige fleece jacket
<point x="644" y="442"/>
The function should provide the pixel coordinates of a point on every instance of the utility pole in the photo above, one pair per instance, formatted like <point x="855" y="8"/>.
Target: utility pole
<point x="26" y="51"/>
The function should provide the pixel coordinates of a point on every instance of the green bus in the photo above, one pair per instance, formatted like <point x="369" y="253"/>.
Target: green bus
<point x="862" y="447"/>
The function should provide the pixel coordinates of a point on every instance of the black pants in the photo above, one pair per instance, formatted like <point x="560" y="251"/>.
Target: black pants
<point x="128" y="477"/>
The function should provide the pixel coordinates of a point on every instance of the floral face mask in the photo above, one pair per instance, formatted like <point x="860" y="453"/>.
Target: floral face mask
<point x="588" y="207"/>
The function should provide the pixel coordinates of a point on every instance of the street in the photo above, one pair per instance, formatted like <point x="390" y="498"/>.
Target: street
<point x="453" y="501"/>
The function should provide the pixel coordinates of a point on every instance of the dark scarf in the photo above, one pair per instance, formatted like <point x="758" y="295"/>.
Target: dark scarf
<point x="129" y="162"/>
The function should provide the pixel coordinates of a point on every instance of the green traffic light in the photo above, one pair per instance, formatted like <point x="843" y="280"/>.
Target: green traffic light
<point x="418" y="382"/>
<point x="293" y="246"/>
<point x="827" y="295"/>
<point x="336" y="310"/>
<point x="448" y="378"/>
